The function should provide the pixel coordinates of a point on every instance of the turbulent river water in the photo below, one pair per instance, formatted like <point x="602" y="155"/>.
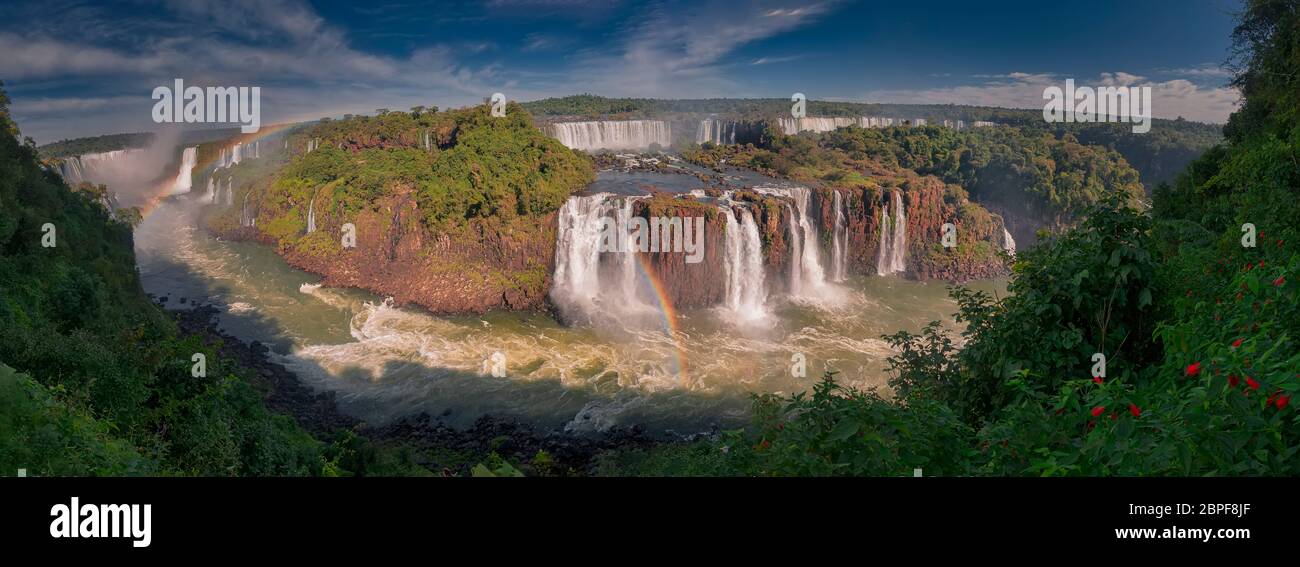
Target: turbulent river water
<point x="385" y="362"/>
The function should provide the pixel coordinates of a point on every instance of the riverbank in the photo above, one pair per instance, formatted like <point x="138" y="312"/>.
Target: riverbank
<point x="423" y="439"/>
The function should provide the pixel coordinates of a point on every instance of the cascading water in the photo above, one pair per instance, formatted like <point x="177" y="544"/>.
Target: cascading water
<point x="184" y="179"/>
<point x="230" y="191"/>
<point x="839" y="241"/>
<point x="311" y="215"/>
<point x="716" y="131"/>
<point x="613" y="134"/>
<point x="1008" y="243"/>
<point x="578" y="288"/>
<point x="102" y="167"/>
<point x="746" y="295"/>
<point x="211" y="195"/>
<point x="810" y="270"/>
<point x="892" y="257"/>
<point x="792" y="126"/>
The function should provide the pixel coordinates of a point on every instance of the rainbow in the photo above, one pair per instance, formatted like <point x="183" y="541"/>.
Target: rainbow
<point x="162" y="188"/>
<point x="669" y="313"/>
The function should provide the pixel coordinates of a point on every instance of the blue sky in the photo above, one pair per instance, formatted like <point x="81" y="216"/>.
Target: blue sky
<point x="86" y="68"/>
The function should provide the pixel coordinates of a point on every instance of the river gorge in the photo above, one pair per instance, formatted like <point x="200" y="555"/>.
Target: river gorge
<point x="795" y="281"/>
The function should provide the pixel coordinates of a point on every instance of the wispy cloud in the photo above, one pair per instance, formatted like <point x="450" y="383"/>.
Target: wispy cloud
<point x="771" y="60"/>
<point x="1171" y="99"/>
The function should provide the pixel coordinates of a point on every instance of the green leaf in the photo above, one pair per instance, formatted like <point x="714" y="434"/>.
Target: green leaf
<point x="843" y="430"/>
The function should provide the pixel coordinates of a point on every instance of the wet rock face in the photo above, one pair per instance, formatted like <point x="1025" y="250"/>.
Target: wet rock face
<point x="494" y="264"/>
<point x="686" y="283"/>
<point x="484" y="265"/>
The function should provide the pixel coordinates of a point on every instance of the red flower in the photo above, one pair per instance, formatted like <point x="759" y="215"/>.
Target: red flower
<point x="1237" y="343"/>
<point x="1097" y="411"/>
<point x="1279" y="243"/>
<point x="1233" y="381"/>
<point x="1272" y="397"/>
<point x="763" y="445"/>
<point x="1097" y="379"/>
<point x="1252" y="383"/>
<point x="1193" y="369"/>
<point x="1133" y="409"/>
<point x="1282" y="401"/>
<point x="1279" y="281"/>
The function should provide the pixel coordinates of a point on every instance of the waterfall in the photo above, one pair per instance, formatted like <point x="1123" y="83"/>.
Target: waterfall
<point x="839" y="241"/>
<point x="810" y="266"/>
<point x="230" y="191"/>
<point x="211" y="195"/>
<point x="796" y="253"/>
<point x="613" y="134"/>
<point x="716" y="132"/>
<point x="1008" y="243"/>
<point x="311" y="215"/>
<point x="184" y="179"/>
<point x="236" y="153"/>
<point x="892" y="257"/>
<point x="806" y="273"/>
<point x="792" y="126"/>
<point x="103" y="167"/>
<point x="585" y="286"/>
<point x="746" y="295"/>
<point x="243" y="211"/>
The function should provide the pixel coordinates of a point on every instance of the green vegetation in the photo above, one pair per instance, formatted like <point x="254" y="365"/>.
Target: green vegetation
<point x="1157" y="155"/>
<point x="106" y="384"/>
<point x="95" y="144"/>
<point x="474" y="167"/>
<point x="1199" y="334"/>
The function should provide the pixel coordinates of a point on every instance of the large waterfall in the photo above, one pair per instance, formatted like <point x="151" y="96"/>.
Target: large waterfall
<point x="839" y="241"/>
<point x="184" y="180"/>
<point x="809" y="276"/>
<point x="746" y="294"/>
<point x="892" y="257"/>
<point x="716" y="131"/>
<point x="578" y="289"/>
<point x="806" y="274"/>
<point x="613" y="134"/>
<point x="101" y="167"/>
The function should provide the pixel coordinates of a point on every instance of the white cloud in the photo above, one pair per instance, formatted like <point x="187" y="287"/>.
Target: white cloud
<point x="1171" y="99"/>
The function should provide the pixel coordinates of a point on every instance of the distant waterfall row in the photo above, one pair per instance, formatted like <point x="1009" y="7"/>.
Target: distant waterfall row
<point x="239" y="152"/>
<point x="792" y="126"/>
<point x="99" y="167"/>
<point x="716" y="132"/>
<point x="613" y="134"/>
<point x="892" y="257"/>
